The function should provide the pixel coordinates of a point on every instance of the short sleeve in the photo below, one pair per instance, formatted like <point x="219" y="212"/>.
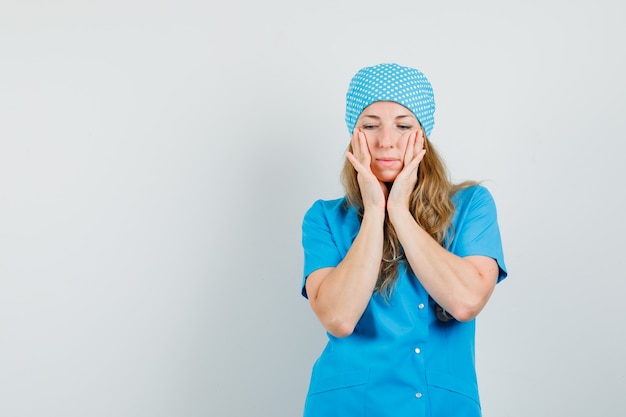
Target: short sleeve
<point x="320" y="248"/>
<point x="475" y="228"/>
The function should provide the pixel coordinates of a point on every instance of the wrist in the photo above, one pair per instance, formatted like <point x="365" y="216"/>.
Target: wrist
<point x="374" y="214"/>
<point x="398" y="214"/>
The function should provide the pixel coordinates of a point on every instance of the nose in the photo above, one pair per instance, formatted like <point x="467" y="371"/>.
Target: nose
<point x="386" y="140"/>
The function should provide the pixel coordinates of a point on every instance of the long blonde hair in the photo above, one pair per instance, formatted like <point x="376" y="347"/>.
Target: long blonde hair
<point x="430" y="204"/>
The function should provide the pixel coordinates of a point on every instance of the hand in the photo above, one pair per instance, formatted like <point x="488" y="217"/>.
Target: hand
<point x="373" y="191"/>
<point x="404" y="184"/>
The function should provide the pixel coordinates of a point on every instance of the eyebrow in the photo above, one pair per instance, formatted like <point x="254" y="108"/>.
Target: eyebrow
<point x="378" y="117"/>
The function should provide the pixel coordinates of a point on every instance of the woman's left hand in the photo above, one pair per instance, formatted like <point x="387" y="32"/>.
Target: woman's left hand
<point x="403" y="186"/>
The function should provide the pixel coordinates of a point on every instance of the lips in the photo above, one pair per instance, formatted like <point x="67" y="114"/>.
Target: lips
<point x="387" y="162"/>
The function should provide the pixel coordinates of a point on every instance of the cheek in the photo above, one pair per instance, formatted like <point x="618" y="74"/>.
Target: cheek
<point x="371" y="141"/>
<point x="402" y="143"/>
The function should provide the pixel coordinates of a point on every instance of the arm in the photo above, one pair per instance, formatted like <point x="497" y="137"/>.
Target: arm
<point x="340" y="295"/>
<point x="462" y="286"/>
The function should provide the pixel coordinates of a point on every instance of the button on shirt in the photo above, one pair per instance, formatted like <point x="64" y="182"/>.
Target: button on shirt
<point x="399" y="360"/>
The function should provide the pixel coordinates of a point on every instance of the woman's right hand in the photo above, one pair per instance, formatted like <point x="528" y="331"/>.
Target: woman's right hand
<point x="373" y="192"/>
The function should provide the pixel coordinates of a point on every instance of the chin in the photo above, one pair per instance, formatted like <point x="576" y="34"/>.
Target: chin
<point x="387" y="179"/>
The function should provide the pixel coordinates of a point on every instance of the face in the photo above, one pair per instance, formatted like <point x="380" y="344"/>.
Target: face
<point x="387" y="126"/>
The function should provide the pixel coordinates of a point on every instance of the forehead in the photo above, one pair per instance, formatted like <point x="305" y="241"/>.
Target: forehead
<point x="386" y="109"/>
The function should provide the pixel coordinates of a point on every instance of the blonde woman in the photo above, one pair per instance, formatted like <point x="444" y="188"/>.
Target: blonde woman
<point x="397" y="270"/>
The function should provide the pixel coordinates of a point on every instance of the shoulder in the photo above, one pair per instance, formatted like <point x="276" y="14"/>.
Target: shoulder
<point x="472" y="196"/>
<point x="329" y="204"/>
<point x="336" y="217"/>
<point x="328" y="208"/>
<point x="474" y="202"/>
<point x="472" y="191"/>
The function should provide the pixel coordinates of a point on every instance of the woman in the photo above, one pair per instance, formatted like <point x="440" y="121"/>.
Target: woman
<point x="397" y="270"/>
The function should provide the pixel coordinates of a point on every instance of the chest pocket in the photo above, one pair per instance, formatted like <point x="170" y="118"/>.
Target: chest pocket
<point x="452" y="396"/>
<point x="341" y="394"/>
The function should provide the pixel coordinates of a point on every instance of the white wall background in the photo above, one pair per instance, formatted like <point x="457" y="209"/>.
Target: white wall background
<point x="156" y="159"/>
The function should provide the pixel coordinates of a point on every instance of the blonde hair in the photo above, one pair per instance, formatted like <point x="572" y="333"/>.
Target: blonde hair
<point x="430" y="204"/>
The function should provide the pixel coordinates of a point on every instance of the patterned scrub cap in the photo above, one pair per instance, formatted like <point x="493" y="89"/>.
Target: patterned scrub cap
<point x="391" y="82"/>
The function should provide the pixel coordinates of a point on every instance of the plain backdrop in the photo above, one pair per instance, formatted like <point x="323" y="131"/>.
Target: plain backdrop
<point x="157" y="157"/>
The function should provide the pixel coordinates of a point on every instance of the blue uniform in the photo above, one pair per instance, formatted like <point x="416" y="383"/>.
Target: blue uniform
<point x="400" y="360"/>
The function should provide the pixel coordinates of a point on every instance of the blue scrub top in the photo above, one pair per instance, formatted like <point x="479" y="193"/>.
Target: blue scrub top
<point x="400" y="360"/>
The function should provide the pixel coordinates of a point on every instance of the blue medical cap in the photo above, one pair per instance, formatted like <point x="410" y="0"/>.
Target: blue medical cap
<point x="391" y="82"/>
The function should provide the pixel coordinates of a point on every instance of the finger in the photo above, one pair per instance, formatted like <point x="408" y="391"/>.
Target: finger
<point x="353" y="142"/>
<point x="358" y="166"/>
<point x="365" y="157"/>
<point x="418" y="157"/>
<point x="417" y="153"/>
<point x="357" y="146"/>
<point x="419" y="144"/>
<point x="410" y="149"/>
<point x="418" y="150"/>
<point x="353" y="160"/>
